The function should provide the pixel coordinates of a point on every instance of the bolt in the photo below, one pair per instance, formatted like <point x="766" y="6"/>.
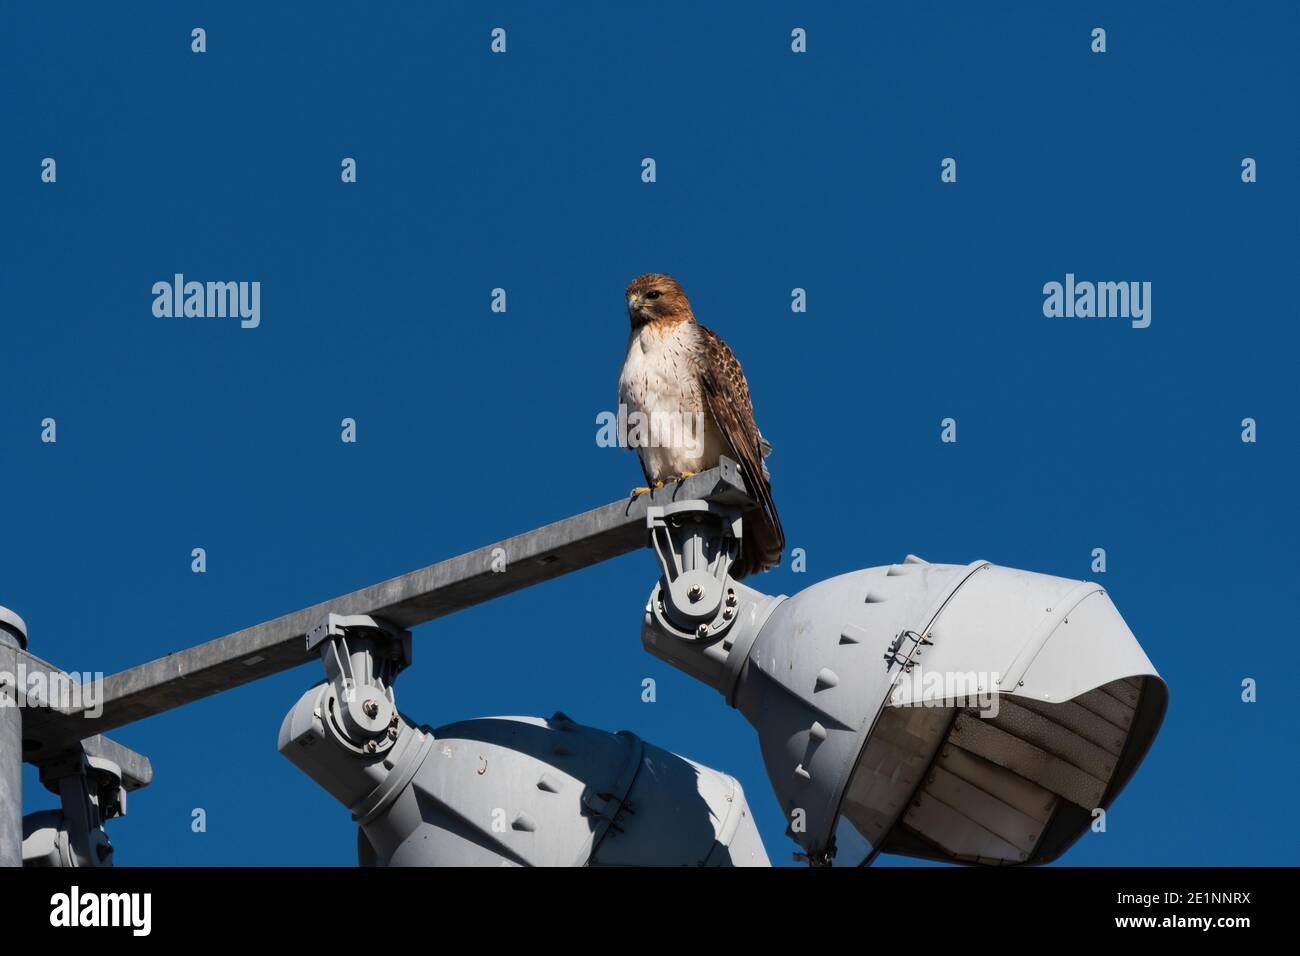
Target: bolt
<point x="702" y="631"/>
<point x="695" y="593"/>
<point x="727" y="614"/>
<point x="392" y="733"/>
<point x="731" y="598"/>
<point x="371" y="746"/>
<point x="370" y="707"/>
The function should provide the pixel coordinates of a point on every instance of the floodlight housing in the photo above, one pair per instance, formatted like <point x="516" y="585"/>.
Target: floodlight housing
<point x="523" y="791"/>
<point x="499" y="791"/>
<point x="965" y="713"/>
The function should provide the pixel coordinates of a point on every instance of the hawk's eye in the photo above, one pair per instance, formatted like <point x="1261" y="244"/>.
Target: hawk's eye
<point x="653" y="295"/>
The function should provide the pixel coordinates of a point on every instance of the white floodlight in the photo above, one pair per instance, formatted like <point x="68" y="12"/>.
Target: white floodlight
<point x="974" y="714"/>
<point x="500" y="790"/>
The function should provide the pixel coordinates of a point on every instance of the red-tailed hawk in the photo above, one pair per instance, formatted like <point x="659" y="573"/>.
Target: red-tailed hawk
<point x="678" y="375"/>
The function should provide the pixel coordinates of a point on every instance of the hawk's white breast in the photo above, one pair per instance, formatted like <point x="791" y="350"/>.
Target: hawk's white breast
<point x="661" y="380"/>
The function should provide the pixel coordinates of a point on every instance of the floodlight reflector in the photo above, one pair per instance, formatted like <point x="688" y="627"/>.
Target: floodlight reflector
<point x="1015" y="788"/>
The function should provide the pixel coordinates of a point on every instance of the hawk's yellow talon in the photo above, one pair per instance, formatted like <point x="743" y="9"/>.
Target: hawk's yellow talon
<point x="659" y="484"/>
<point x="687" y="474"/>
<point x="639" y="491"/>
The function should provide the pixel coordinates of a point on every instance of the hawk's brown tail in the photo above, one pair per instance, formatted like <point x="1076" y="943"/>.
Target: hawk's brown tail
<point x="763" y="539"/>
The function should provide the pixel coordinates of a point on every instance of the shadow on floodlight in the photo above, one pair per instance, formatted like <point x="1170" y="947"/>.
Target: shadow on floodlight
<point x="523" y="791"/>
<point x="601" y="798"/>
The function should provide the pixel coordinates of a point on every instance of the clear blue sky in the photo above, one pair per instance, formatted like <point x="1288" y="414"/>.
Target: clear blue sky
<point x="522" y="171"/>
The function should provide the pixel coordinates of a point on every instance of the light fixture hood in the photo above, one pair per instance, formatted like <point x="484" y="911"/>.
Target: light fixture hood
<point x="968" y="713"/>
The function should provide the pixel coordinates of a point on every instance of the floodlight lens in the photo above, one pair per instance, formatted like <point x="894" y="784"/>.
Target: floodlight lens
<point x="1015" y="784"/>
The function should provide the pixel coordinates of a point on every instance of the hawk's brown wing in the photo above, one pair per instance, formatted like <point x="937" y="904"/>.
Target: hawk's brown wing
<point x="727" y="395"/>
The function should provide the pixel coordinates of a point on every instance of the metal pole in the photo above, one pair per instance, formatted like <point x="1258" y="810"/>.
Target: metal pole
<point x="13" y="638"/>
<point x="406" y="601"/>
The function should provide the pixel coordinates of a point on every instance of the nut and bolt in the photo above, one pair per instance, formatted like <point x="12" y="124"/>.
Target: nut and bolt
<point x="370" y="707"/>
<point x="695" y="592"/>
<point x="702" y="631"/>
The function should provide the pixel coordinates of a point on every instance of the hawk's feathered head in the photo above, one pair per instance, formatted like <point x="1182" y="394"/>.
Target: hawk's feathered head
<point x="652" y="297"/>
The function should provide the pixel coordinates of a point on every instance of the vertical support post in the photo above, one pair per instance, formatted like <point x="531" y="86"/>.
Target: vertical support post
<point x="13" y="637"/>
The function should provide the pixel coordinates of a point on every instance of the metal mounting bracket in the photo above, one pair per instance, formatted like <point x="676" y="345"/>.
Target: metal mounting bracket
<point x="362" y="657"/>
<point x="696" y="542"/>
<point x="90" y="792"/>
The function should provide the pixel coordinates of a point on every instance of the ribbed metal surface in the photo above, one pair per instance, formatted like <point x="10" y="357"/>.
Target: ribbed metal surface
<point x="997" y="781"/>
